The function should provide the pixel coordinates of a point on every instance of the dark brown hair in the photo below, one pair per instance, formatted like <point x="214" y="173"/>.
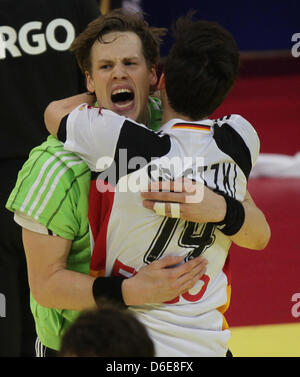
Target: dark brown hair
<point x="201" y="67"/>
<point x="107" y="332"/>
<point x="118" y="20"/>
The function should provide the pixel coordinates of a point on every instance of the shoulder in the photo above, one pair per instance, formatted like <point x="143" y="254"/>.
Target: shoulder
<point x="51" y="157"/>
<point x="50" y="187"/>
<point x="236" y="136"/>
<point x="46" y="177"/>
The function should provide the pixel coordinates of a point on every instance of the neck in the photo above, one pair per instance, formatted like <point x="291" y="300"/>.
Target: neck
<point x="144" y="117"/>
<point x="169" y="113"/>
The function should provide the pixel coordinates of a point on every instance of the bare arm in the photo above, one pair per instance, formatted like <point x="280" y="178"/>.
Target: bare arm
<point x="211" y="207"/>
<point x="56" y="110"/>
<point x="255" y="233"/>
<point x="53" y="286"/>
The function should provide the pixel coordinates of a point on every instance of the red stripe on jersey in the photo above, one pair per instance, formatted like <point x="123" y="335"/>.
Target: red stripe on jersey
<point x="222" y="309"/>
<point x="100" y="205"/>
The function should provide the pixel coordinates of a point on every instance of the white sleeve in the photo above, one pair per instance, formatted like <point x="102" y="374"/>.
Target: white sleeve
<point x="248" y="134"/>
<point x="29" y="223"/>
<point x="93" y="134"/>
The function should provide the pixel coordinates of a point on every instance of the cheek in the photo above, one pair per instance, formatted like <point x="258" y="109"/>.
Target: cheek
<point x="101" y="90"/>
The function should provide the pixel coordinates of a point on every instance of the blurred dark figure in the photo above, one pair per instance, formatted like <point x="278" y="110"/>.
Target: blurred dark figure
<point x="36" y="68"/>
<point x="107" y="332"/>
<point x="108" y="5"/>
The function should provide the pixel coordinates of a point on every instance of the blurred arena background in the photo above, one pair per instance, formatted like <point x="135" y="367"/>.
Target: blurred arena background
<point x="265" y="306"/>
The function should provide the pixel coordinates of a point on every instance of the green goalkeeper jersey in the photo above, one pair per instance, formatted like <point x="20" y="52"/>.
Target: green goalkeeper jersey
<point x="53" y="189"/>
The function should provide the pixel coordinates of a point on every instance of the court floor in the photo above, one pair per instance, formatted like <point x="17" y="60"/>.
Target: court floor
<point x="282" y="340"/>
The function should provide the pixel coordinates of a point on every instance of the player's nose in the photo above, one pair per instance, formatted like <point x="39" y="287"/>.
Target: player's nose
<point x="119" y="71"/>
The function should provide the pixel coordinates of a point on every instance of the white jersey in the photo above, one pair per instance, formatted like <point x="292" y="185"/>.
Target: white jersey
<point x="128" y="236"/>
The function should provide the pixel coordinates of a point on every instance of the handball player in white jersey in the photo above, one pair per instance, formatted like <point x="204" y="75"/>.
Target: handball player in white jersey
<point x="199" y="73"/>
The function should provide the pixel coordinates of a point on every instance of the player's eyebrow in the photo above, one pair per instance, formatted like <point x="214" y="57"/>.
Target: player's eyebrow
<point x="125" y="58"/>
<point x="131" y="58"/>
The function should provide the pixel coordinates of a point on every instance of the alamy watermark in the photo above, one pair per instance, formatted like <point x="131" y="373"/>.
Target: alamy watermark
<point x="296" y="306"/>
<point x="296" y="46"/>
<point x="135" y="174"/>
<point x="2" y="306"/>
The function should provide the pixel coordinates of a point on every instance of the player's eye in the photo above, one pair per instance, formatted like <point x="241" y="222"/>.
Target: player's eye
<point x="130" y="63"/>
<point x="105" y="66"/>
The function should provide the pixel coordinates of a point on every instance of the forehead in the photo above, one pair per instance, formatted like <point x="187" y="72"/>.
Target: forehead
<point x="118" y="45"/>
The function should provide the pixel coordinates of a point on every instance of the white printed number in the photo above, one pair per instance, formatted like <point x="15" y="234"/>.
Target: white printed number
<point x="296" y="46"/>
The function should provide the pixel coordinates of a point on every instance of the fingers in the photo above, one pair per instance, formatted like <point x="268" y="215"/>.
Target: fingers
<point x="177" y="267"/>
<point x="178" y="185"/>
<point x="166" y="209"/>
<point x="177" y="197"/>
<point x="168" y="261"/>
<point x="190" y="268"/>
<point x="179" y="191"/>
<point x="188" y="280"/>
<point x="183" y="212"/>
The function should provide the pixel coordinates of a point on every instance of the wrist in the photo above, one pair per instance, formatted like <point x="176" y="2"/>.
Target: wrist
<point x="126" y="288"/>
<point x="234" y="216"/>
<point x="129" y="292"/>
<point x="110" y="288"/>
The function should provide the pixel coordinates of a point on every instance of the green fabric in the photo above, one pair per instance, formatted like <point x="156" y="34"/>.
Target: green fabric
<point x="52" y="187"/>
<point x="155" y="113"/>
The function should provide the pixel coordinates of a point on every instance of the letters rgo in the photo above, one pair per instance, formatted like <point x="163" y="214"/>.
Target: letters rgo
<point x="32" y="40"/>
<point x="2" y="305"/>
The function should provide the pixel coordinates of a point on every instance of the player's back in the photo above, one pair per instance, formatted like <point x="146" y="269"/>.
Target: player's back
<point x="137" y="236"/>
<point x="127" y="236"/>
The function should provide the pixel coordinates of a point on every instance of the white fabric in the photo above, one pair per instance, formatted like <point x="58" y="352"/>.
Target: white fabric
<point x="29" y="223"/>
<point x="277" y="166"/>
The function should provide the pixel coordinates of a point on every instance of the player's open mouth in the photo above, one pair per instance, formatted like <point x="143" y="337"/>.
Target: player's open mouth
<point x="123" y="99"/>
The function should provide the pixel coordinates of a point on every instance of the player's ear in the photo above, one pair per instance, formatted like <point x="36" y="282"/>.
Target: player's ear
<point x="153" y="76"/>
<point x="89" y="82"/>
<point x="162" y="82"/>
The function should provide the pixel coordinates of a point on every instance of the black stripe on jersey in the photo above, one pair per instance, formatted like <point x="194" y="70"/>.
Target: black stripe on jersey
<point x="234" y="180"/>
<point x="231" y="143"/>
<point x="225" y="117"/>
<point x="62" y="131"/>
<point x="226" y="173"/>
<point x="139" y="142"/>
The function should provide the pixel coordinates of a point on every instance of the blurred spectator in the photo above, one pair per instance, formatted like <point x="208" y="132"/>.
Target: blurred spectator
<point x="107" y="332"/>
<point x="107" y="5"/>
<point x="36" y="67"/>
<point x="277" y="165"/>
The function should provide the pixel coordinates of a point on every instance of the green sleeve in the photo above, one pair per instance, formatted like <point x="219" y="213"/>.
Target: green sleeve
<point x="47" y="189"/>
<point x="155" y="113"/>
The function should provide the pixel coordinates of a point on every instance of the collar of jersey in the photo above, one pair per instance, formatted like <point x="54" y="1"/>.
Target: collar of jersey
<point x="173" y="122"/>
